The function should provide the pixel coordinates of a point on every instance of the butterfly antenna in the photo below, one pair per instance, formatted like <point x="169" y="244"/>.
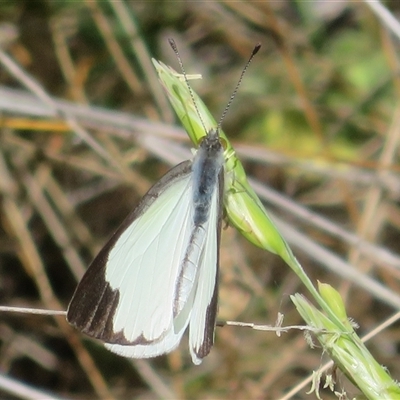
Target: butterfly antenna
<point x="175" y="49"/>
<point x="253" y="53"/>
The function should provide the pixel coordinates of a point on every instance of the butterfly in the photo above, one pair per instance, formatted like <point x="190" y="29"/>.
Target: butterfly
<point x="158" y="273"/>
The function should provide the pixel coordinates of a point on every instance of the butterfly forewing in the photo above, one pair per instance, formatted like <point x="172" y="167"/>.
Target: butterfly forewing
<point x="123" y="297"/>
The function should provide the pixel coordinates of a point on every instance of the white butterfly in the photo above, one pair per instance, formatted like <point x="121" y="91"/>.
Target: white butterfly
<point x="158" y="274"/>
<point x="159" y="271"/>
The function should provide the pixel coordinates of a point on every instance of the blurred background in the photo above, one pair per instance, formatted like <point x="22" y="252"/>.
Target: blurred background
<point x="86" y="129"/>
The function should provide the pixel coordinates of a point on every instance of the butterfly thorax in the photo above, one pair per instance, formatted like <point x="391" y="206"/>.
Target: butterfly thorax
<point x="206" y="167"/>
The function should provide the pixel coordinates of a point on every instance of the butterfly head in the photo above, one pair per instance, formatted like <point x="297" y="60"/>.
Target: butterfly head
<point x="212" y="140"/>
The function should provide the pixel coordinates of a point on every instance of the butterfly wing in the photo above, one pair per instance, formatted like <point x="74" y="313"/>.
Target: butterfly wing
<point x="126" y="297"/>
<point x="204" y="309"/>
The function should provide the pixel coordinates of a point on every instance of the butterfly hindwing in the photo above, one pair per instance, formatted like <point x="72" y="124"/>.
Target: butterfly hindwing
<point x="203" y="316"/>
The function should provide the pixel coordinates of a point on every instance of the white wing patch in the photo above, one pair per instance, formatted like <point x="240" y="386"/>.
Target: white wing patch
<point x="143" y="266"/>
<point x="168" y="343"/>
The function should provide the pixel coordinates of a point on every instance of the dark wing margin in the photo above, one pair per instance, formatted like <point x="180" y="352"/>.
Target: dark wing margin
<point x="94" y="302"/>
